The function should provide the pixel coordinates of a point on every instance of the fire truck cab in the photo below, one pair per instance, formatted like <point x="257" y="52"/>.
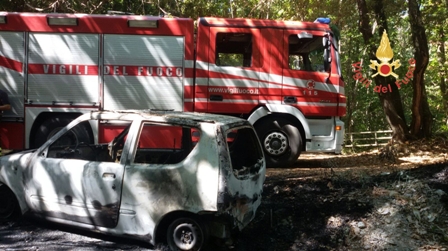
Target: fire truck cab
<point x="282" y="76"/>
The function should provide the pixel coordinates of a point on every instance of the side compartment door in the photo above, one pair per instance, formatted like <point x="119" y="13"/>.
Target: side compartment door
<point x="12" y="58"/>
<point x="232" y="73"/>
<point x="12" y="81"/>
<point x="63" y="68"/>
<point x="76" y="182"/>
<point x="143" y="72"/>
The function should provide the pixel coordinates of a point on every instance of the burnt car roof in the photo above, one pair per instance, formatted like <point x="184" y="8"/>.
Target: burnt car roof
<point x="176" y="117"/>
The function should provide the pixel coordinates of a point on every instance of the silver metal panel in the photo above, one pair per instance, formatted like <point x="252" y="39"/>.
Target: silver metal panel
<point x="62" y="88"/>
<point x="74" y="83"/>
<point x="147" y="90"/>
<point x="65" y="48"/>
<point x="140" y="50"/>
<point x="11" y="79"/>
<point x="142" y="93"/>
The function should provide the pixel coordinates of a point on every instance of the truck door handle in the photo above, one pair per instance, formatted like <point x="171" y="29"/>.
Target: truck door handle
<point x="216" y="98"/>
<point x="109" y="175"/>
<point x="290" y="99"/>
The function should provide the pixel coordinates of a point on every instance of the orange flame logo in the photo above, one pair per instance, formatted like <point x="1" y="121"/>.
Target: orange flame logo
<point x="384" y="53"/>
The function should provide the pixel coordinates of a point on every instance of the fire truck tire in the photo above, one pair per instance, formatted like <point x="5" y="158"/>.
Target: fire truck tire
<point x="53" y="125"/>
<point x="281" y="141"/>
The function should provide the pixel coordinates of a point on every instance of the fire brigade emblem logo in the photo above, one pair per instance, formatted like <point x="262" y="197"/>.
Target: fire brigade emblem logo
<point x="311" y="84"/>
<point x="384" y="53"/>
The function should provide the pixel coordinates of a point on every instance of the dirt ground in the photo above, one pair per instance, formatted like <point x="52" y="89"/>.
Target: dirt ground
<point x="389" y="199"/>
<point x="394" y="198"/>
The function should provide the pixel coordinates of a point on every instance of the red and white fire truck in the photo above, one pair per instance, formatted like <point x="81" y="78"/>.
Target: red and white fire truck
<point x="282" y="76"/>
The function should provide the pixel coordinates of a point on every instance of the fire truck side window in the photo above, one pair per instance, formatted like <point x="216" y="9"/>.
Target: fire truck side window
<point x="306" y="53"/>
<point x="234" y="49"/>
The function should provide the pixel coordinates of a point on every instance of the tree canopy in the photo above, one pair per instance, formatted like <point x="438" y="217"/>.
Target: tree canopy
<point x="416" y="30"/>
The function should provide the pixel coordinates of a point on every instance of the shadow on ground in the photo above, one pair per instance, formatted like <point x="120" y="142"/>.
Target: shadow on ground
<point x="314" y="214"/>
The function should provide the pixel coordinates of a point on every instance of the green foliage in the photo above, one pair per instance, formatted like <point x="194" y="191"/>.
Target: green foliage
<point x="231" y="59"/>
<point x="364" y="111"/>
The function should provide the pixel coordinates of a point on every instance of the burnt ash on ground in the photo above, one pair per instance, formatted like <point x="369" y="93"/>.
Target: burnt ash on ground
<point x="297" y="214"/>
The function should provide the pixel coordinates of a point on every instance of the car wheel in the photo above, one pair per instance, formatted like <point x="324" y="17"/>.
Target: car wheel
<point x="53" y="125"/>
<point x="281" y="141"/>
<point x="186" y="234"/>
<point x="8" y="204"/>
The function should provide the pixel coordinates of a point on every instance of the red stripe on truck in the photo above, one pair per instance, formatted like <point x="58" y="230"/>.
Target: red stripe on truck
<point x="11" y="64"/>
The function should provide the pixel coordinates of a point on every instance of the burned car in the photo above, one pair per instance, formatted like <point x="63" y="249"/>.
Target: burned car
<point x="159" y="176"/>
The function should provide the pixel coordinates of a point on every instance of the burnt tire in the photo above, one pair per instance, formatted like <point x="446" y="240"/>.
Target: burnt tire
<point x="82" y="133"/>
<point x="280" y="139"/>
<point x="186" y="234"/>
<point x="9" y="207"/>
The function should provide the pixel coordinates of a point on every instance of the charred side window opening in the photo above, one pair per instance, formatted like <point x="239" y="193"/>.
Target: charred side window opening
<point x="165" y="144"/>
<point x="76" y="144"/>
<point x="115" y="147"/>
<point x="234" y="49"/>
<point x="245" y="152"/>
<point x="306" y="53"/>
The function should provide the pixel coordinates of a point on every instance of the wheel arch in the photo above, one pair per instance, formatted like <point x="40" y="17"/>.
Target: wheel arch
<point x="43" y="116"/>
<point x="23" y="206"/>
<point x="292" y="113"/>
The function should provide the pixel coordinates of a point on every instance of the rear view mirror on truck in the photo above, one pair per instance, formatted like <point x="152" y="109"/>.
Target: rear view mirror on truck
<point x="327" y="56"/>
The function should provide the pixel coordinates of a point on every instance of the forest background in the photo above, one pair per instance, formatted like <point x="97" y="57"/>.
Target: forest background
<point x="416" y="29"/>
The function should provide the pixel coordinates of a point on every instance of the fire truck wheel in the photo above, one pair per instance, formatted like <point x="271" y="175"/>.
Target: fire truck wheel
<point x="280" y="139"/>
<point x="53" y="125"/>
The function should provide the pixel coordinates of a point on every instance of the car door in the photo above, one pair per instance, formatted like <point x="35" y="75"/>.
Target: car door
<point x="72" y="181"/>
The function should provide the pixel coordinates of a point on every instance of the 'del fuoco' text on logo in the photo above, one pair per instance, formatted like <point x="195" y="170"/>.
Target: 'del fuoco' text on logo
<point x="383" y="68"/>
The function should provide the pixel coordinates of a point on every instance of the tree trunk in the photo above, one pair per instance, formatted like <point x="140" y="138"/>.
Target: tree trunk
<point x="391" y="100"/>
<point x="443" y="71"/>
<point x="393" y="109"/>
<point x="421" y="123"/>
